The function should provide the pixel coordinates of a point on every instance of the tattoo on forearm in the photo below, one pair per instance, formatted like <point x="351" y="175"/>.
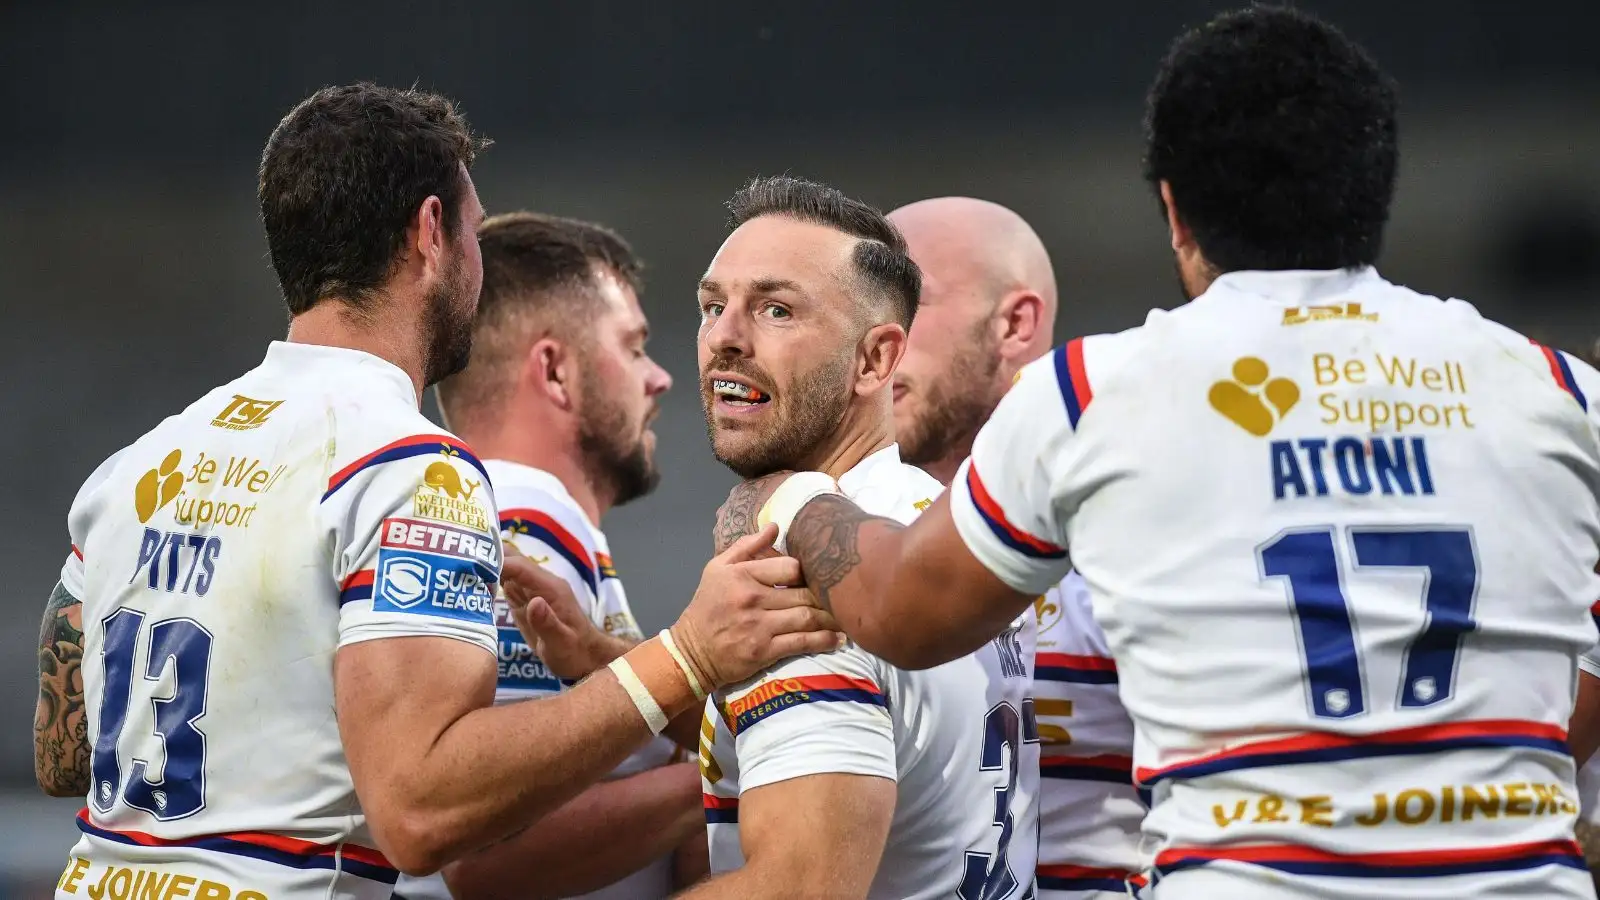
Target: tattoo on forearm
<point x="823" y="538"/>
<point x="737" y="517"/>
<point x="60" y="729"/>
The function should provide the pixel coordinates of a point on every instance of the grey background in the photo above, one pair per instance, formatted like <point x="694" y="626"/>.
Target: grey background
<point x="133" y="273"/>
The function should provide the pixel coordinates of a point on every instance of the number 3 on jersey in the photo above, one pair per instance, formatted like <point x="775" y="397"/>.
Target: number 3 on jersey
<point x="1309" y="561"/>
<point x="1001" y="729"/>
<point x="180" y="791"/>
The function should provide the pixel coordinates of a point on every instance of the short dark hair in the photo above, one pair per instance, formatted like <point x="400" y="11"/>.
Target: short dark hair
<point x="532" y="263"/>
<point x="1277" y="135"/>
<point x="341" y="177"/>
<point x="881" y="259"/>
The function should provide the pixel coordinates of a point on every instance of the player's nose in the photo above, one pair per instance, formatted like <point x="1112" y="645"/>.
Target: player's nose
<point x="659" y="380"/>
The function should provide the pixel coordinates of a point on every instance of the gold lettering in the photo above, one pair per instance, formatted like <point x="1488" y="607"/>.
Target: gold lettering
<point x="1396" y="371"/>
<point x="1447" y="803"/>
<point x="1316" y="810"/>
<point x="1404" y="414"/>
<point x="1380" y="811"/>
<point x="1517" y="802"/>
<point x="1323" y="368"/>
<point x="126" y="878"/>
<point x="1402" y="805"/>
<point x="210" y="890"/>
<point x="1547" y="800"/>
<point x="250" y="895"/>
<point x="99" y="890"/>
<point x="74" y="874"/>
<point x="1431" y="379"/>
<point x="1328" y="403"/>
<point x="179" y="887"/>
<point x="257" y="479"/>
<point x="1423" y="414"/>
<point x="153" y="886"/>
<point x="1472" y="801"/>
<point x="1223" y="819"/>
<point x="1270" y="809"/>
<point x="1567" y="807"/>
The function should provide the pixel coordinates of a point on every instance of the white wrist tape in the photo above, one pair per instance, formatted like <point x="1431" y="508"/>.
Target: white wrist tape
<point x="647" y="705"/>
<point x="677" y="657"/>
<point x="786" y="502"/>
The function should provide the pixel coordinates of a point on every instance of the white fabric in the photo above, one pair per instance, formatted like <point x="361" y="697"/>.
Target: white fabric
<point x="540" y="516"/>
<point x="222" y="559"/>
<point x="1089" y="810"/>
<point x="1380" y="452"/>
<point x="850" y="712"/>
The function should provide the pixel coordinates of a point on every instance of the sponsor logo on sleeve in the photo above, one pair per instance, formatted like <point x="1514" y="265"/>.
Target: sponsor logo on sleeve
<point x="445" y="496"/>
<point x="520" y="668"/>
<point x="426" y="568"/>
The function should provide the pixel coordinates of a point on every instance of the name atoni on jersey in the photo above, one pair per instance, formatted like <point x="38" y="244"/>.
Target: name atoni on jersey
<point x="1314" y="467"/>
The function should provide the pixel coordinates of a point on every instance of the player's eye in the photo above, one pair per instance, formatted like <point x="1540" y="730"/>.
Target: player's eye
<point x="777" y="311"/>
<point x="710" y="310"/>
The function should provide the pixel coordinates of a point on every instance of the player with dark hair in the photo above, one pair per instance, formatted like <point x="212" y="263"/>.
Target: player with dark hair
<point x="837" y="775"/>
<point x="558" y="399"/>
<point x="1341" y="536"/>
<point x="280" y="600"/>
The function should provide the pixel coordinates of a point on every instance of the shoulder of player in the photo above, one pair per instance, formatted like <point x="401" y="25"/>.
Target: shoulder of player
<point x="849" y="668"/>
<point x="1077" y="372"/>
<point x="389" y="438"/>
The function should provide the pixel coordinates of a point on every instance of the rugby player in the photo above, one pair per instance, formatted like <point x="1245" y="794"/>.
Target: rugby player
<point x="988" y="308"/>
<point x="1341" y="535"/>
<point x="278" y="602"/>
<point x="837" y="775"/>
<point x="557" y="400"/>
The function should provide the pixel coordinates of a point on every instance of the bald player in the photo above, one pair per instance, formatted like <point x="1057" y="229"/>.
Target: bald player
<point x="988" y="309"/>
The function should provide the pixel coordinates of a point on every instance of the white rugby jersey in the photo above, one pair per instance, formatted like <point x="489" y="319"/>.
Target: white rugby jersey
<point x="959" y="740"/>
<point x="1089" y="810"/>
<point x="1341" y="538"/>
<point x="540" y="516"/>
<point x="221" y="560"/>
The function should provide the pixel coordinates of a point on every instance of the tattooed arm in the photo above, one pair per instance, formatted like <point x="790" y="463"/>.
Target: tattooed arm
<point x="60" y="731"/>
<point x="920" y="599"/>
<point x="1589" y="841"/>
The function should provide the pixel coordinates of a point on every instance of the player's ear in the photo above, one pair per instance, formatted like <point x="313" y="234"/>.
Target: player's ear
<point x="1018" y="317"/>
<point x="1182" y="237"/>
<point x="550" y="370"/>
<point x="882" y="348"/>
<point x="428" y="238"/>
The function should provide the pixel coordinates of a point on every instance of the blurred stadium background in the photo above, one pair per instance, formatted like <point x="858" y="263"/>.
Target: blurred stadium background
<point x="133" y="271"/>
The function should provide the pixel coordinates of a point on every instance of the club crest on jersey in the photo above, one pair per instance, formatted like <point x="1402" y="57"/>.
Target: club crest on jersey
<point x="426" y="568"/>
<point x="244" y="413"/>
<point x="445" y="496"/>
<point x="1300" y="315"/>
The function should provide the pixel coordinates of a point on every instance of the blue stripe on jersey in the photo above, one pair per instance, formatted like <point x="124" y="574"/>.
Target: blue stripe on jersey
<point x="1297" y="860"/>
<point x="560" y="543"/>
<point x="326" y="858"/>
<point x="1569" y="382"/>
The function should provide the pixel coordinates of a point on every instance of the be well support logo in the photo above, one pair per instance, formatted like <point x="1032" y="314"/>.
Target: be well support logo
<point x="1253" y="399"/>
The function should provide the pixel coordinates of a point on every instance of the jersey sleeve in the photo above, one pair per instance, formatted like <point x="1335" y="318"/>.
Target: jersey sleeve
<point x="812" y="715"/>
<point x="416" y="550"/>
<point x="553" y="535"/>
<point x="1005" y="497"/>
<point x="79" y="519"/>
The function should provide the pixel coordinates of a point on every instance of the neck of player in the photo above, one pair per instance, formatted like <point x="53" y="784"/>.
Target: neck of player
<point x="865" y="429"/>
<point x="550" y="445"/>
<point x="331" y="323"/>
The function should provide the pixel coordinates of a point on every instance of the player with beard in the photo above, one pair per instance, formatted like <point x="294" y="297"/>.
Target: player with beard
<point x="838" y="775"/>
<point x="988" y="309"/>
<point x="1346" y="624"/>
<point x="558" y="399"/>
<point x="269" y="662"/>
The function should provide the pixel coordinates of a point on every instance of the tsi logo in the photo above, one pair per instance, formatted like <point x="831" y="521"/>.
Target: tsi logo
<point x="405" y="581"/>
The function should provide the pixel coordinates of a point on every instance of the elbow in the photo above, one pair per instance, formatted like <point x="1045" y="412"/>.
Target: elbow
<point x="412" y="842"/>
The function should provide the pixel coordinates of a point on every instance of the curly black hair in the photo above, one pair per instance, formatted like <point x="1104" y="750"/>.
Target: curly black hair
<point x="1277" y="136"/>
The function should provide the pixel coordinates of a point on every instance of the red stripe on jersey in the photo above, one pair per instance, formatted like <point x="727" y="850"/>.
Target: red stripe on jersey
<point x="362" y="578"/>
<point x="991" y="511"/>
<point x="556" y="529"/>
<point x="712" y="801"/>
<point x="1275" y="853"/>
<point x="1312" y="748"/>
<point x="1079" y="373"/>
<point x="1077" y="662"/>
<point x="404" y="448"/>
<point x="76" y="552"/>
<point x="256" y="838"/>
